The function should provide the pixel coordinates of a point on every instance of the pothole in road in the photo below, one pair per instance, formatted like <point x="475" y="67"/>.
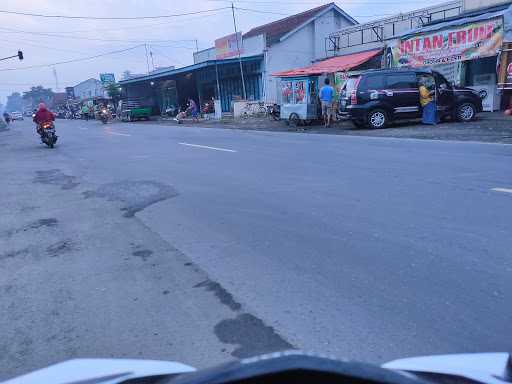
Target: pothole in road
<point x="248" y="333"/>
<point x="222" y="294"/>
<point x="60" y="248"/>
<point x="41" y="223"/>
<point x="251" y="335"/>
<point x="135" y="195"/>
<point x="14" y="254"/>
<point x="56" y="177"/>
<point x="144" y="254"/>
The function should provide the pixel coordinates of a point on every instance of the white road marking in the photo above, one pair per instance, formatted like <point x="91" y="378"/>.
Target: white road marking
<point x="83" y="128"/>
<point x="505" y="190"/>
<point x="117" y="133"/>
<point x="208" y="147"/>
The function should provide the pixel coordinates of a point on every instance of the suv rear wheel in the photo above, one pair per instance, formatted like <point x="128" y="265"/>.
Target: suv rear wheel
<point x="466" y="112"/>
<point x="378" y="118"/>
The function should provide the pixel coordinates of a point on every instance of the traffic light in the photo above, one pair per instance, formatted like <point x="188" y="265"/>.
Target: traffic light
<point x="20" y="55"/>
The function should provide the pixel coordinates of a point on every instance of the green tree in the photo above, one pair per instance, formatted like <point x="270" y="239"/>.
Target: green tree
<point x="37" y="95"/>
<point x="113" y="91"/>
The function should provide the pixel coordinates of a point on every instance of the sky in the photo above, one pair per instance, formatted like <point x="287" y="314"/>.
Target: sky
<point x="170" y="40"/>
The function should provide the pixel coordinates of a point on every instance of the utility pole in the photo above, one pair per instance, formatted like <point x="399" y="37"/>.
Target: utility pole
<point x="217" y="79"/>
<point x="147" y="57"/>
<point x="56" y="79"/>
<point x="197" y="46"/>
<point x="238" y="49"/>
<point x="152" y="62"/>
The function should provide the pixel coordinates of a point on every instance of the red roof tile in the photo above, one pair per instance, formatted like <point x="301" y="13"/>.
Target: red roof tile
<point x="277" y="29"/>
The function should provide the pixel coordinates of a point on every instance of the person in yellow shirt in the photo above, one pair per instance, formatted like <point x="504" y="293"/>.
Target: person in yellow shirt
<point x="427" y="101"/>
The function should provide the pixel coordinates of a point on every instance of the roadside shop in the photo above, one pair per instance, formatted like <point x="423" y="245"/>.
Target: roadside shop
<point x="300" y="87"/>
<point x="465" y="49"/>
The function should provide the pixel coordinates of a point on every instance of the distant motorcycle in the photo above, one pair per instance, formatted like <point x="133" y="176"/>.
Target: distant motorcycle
<point x="104" y="115"/>
<point x="47" y="132"/>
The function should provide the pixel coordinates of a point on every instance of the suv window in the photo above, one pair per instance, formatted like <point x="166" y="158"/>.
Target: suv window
<point x="440" y="79"/>
<point x="372" y="82"/>
<point x="351" y="84"/>
<point x="401" y="81"/>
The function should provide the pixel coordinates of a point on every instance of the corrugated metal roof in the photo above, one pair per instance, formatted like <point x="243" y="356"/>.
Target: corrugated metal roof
<point x="189" y="68"/>
<point x="334" y="64"/>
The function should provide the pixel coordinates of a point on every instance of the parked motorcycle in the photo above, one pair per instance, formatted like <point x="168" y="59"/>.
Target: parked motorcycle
<point x="47" y="132"/>
<point x="274" y="111"/>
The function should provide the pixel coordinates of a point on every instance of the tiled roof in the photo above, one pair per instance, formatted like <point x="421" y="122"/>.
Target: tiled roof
<point x="277" y="29"/>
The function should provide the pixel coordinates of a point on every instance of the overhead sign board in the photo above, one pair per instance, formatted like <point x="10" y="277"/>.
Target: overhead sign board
<point x="107" y="78"/>
<point x="227" y="46"/>
<point x="459" y="43"/>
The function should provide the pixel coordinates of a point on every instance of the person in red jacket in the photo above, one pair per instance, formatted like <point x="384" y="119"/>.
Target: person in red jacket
<point x="43" y="115"/>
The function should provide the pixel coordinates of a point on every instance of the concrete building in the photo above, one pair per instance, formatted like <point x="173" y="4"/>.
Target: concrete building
<point x="294" y="41"/>
<point x="472" y="5"/>
<point x="291" y="42"/>
<point x="376" y="33"/>
<point x="88" y="89"/>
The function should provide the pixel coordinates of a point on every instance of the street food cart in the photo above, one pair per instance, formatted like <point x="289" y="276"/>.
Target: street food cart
<point x="299" y="88"/>
<point x="299" y="99"/>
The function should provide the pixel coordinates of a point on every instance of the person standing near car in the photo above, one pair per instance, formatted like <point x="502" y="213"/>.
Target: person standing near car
<point x="427" y="92"/>
<point x="326" y="98"/>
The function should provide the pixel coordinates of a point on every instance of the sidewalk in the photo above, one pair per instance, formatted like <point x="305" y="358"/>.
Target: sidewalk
<point x="491" y="127"/>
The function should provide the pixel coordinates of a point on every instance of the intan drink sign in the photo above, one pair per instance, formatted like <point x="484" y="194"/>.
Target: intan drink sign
<point x="466" y="42"/>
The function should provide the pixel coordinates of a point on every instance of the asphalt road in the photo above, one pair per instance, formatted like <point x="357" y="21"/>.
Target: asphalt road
<point x="202" y="245"/>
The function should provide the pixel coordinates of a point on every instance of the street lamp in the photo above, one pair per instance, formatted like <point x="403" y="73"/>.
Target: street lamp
<point x="151" y="83"/>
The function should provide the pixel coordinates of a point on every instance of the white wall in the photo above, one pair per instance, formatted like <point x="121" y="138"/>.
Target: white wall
<point x="204" y="55"/>
<point x="89" y="88"/>
<point x="251" y="46"/>
<point x="294" y="52"/>
<point x="470" y="5"/>
<point x="323" y="27"/>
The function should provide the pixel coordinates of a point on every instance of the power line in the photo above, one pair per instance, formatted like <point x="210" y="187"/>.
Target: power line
<point x="9" y="30"/>
<point x="72" y="60"/>
<point x="112" y="17"/>
<point x="286" y="14"/>
<point x="172" y="60"/>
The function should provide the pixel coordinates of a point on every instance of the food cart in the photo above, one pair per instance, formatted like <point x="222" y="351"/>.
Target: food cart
<point x="299" y="103"/>
<point x="300" y="86"/>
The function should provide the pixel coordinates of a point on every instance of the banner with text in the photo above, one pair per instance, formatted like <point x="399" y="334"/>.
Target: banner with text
<point x="460" y="43"/>
<point x="107" y="78"/>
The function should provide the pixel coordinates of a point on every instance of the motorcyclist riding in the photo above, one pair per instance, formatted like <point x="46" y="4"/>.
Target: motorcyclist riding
<point x="42" y="115"/>
<point x="7" y="117"/>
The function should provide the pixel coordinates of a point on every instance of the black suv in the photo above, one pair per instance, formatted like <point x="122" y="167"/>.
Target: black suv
<point x="377" y="97"/>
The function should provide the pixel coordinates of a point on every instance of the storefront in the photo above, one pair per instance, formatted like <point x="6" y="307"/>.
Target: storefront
<point x="466" y="50"/>
<point x="300" y="87"/>
<point x="219" y="79"/>
<point x="505" y="62"/>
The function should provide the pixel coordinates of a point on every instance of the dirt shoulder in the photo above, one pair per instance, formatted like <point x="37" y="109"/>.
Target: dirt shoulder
<point x="490" y="127"/>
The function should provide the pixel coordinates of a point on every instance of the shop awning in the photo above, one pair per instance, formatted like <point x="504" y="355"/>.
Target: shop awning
<point x="332" y="65"/>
